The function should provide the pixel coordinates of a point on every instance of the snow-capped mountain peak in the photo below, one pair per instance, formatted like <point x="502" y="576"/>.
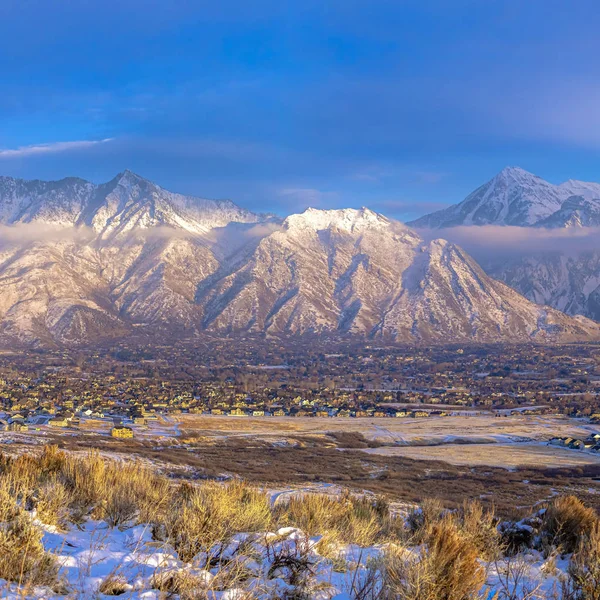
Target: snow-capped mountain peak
<point x="513" y="197"/>
<point x="348" y="271"/>
<point x="344" y="219"/>
<point x="125" y="203"/>
<point x="588" y="189"/>
<point x="516" y="174"/>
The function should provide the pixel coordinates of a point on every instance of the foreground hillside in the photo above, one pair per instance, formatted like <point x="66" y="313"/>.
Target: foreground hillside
<point x="82" y="527"/>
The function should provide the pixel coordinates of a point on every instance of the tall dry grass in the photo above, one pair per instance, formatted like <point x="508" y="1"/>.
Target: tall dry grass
<point x="350" y="519"/>
<point x="583" y="581"/>
<point x="566" y="521"/>
<point x="447" y="568"/>
<point x="203" y="519"/>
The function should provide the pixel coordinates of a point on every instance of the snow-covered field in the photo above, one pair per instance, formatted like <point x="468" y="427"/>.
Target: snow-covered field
<point x="509" y="456"/>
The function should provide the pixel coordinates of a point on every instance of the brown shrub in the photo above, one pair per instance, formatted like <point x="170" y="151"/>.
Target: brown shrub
<point x="447" y="569"/>
<point x="312" y="513"/>
<point x="566" y="521"/>
<point x="52" y="502"/>
<point x="22" y="555"/>
<point x="584" y="569"/>
<point x="350" y="519"/>
<point x="479" y="527"/>
<point x="420" y="519"/>
<point x="114" y="585"/>
<point x="208" y="515"/>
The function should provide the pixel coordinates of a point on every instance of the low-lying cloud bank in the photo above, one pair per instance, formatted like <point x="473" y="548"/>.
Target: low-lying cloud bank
<point x="29" y="233"/>
<point x="488" y="241"/>
<point x="231" y="236"/>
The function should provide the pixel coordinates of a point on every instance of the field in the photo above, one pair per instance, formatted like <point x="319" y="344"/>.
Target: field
<point x="509" y="456"/>
<point x="478" y="428"/>
<point x="503" y="461"/>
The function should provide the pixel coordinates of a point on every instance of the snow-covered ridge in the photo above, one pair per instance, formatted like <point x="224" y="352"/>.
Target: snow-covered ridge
<point x="126" y="202"/>
<point x="346" y="219"/>
<point x="513" y="197"/>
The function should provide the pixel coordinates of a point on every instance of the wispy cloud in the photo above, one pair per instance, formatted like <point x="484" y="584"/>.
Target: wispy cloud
<point x="498" y="240"/>
<point x="39" y="233"/>
<point x="50" y="148"/>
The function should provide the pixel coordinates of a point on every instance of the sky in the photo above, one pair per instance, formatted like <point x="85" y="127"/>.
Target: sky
<point x="401" y="106"/>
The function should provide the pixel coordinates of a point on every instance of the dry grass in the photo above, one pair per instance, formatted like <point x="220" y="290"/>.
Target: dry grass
<point x="479" y="526"/>
<point x="114" y="585"/>
<point x="200" y="521"/>
<point x="421" y="518"/>
<point x="63" y="486"/>
<point x="205" y="517"/>
<point x="52" y="502"/>
<point x="315" y="459"/>
<point x="566" y="521"/>
<point x="446" y="569"/>
<point x="584" y="569"/>
<point x="22" y="556"/>
<point x="350" y="519"/>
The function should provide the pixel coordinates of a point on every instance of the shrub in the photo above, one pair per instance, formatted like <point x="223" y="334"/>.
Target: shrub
<point x="184" y="583"/>
<point x="423" y="517"/>
<point x="116" y="491"/>
<point x="8" y="501"/>
<point x="124" y="490"/>
<point x="85" y="477"/>
<point x="114" y="585"/>
<point x="292" y="561"/>
<point x="479" y="527"/>
<point x="51" y="461"/>
<point x="22" y="555"/>
<point x="312" y="513"/>
<point x="447" y="568"/>
<point x="350" y="519"/>
<point x="566" y="521"/>
<point x="208" y="515"/>
<point x="52" y="503"/>
<point x="515" y="537"/>
<point x="584" y="569"/>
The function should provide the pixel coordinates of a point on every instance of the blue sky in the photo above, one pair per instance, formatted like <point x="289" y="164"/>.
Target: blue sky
<point x="397" y="105"/>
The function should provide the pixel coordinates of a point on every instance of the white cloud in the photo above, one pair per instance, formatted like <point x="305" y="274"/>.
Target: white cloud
<point x="52" y="147"/>
<point x="498" y="240"/>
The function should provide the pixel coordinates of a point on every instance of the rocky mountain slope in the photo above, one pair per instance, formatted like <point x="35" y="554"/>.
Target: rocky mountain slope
<point x="358" y="272"/>
<point x="567" y="281"/>
<point x="161" y="263"/>
<point x="575" y="211"/>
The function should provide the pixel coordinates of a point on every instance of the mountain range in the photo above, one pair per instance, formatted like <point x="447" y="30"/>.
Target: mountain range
<point x="81" y="263"/>
<point x="563" y="278"/>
